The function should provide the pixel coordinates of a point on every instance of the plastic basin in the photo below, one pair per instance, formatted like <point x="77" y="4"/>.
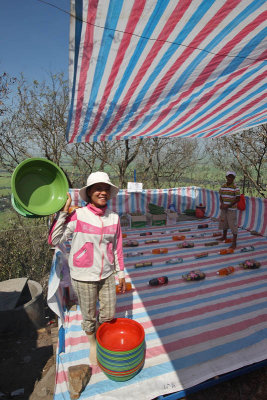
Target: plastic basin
<point x="39" y="186"/>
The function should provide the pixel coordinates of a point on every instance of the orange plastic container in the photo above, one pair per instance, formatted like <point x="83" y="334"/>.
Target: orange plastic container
<point x="159" y="251"/>
<point x="226" y="251"/>
<point x="124" y="235"/>
<point x="226" y="271"/>
<point x="128" y="288"/>
<point x="176" y="238"/>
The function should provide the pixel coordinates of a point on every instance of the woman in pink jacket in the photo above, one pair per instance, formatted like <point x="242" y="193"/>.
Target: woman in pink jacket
<point x="96" y="252"/>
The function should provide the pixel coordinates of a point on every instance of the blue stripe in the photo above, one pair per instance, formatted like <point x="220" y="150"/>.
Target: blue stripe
<point x="78" y="30"/>
<point x="193" y="65"/>
<point x="260" y="215"/>
<point x="113" y="15"/>
<point x="147" y="32"/>
<point x="185" y="32"/>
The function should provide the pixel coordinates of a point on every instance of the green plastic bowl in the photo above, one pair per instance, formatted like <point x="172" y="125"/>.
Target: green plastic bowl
<point x="20" y="210"/>
<point x="39" y="186"/>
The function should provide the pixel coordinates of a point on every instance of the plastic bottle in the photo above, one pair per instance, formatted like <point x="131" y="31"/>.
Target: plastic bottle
<point x="226" y="271"/>
<point x="176" y="238"/>
<point x="144" y="264"/>
<point x="159" y="251"/>
<point x="163" y="280"/>
<point x="134" y="254"/>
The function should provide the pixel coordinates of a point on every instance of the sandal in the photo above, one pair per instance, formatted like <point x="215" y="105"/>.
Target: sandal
<point x="250" y="264"/>
<point x="185" y="245"/>
<point x="194" y="276"/>
<point x="248" y="248"/>
<point x="131" y="243"/>
<point x="176" y="260"/>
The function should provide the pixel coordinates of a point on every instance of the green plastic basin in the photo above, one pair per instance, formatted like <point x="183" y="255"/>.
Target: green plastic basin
<point x="39" y="186"/>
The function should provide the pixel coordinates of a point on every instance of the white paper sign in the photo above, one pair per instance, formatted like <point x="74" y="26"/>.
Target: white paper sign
<point x="134" y="187"/>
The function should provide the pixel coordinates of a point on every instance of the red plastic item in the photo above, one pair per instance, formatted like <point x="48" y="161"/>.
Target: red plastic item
<point x="226" y="271"/>
<point x="177" y="238"/>
<point x="120" y="334"/>
<point x="124" y="235"/>
<point x="241" y="205"/>
<point x="159" y="251"/>
<point x="226" y="251"/>
<point x="200" y="213"/>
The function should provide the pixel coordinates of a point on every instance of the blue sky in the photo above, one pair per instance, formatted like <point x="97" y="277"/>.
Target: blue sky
<point x="34" y="38"/>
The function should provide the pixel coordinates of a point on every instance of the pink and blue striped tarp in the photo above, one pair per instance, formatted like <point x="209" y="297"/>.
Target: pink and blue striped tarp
<point x="193" y="330"/>
<point x="154" y="68"/>
<point x="253" y="218"/>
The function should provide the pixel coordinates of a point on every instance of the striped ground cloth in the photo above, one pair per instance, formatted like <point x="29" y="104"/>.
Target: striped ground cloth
<point x="193" y="330"/>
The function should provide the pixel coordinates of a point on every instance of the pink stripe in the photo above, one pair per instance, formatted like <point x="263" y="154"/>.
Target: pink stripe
<point x="87" y="54"/>
<point x="206" y="336"/>
<point x="134" y="17"/>
<point x="182" y="296"/>
<point x="254" y="210"/>
<point x="169" y="201"/>
<point x="87" y="228"/>
<point x="173" y="20"/>
<point x="74" y="341"/>
<point x="204" y="310"/>
<point x="159" y="202"/>
<point x="189" y="198"/>
<point x="212" y="198"/>
<point x="213" y="23"/>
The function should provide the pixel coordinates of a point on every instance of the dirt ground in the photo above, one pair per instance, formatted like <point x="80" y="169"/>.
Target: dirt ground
<point x="27" y="371"/>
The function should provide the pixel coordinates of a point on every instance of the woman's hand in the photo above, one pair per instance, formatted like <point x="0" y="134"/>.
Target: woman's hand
<point x="67" y="204"/>
<point x="122" y="285"/>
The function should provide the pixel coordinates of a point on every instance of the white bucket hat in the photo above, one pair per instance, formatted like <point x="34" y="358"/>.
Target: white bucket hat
<point x="230" y="173"/>
<point x="97" y="177"/>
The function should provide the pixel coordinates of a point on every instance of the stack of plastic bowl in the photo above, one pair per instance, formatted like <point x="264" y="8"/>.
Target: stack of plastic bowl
<point x="121" y="348"/>
<point x="39" y="188"/>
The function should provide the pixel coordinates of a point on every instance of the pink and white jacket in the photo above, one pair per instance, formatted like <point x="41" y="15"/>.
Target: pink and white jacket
<point x="96" y="246"/>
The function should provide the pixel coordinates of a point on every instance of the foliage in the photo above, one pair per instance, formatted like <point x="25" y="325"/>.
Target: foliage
<point x="6" y="82"/>
<point x="245" y="153"/>
<point x="25" y="251"/>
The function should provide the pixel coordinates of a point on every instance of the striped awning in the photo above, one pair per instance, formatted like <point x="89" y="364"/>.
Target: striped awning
<point x="166" y="68"/>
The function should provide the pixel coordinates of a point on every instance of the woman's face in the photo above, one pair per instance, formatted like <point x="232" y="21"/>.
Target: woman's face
<point x="99" y="194"/>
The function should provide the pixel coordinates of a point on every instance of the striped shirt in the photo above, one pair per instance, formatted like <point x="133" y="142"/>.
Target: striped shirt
<point x="229" y="193"/>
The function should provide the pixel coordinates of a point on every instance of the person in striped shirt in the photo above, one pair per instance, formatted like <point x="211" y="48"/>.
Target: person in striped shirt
<point x="229" y="197"/>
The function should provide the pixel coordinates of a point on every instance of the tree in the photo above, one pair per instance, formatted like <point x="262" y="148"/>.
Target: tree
<point x="163" y="162"/>
<point x="246" y="153"/>
<point x="6" y="82"/>
<point x="37" y="124"/>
